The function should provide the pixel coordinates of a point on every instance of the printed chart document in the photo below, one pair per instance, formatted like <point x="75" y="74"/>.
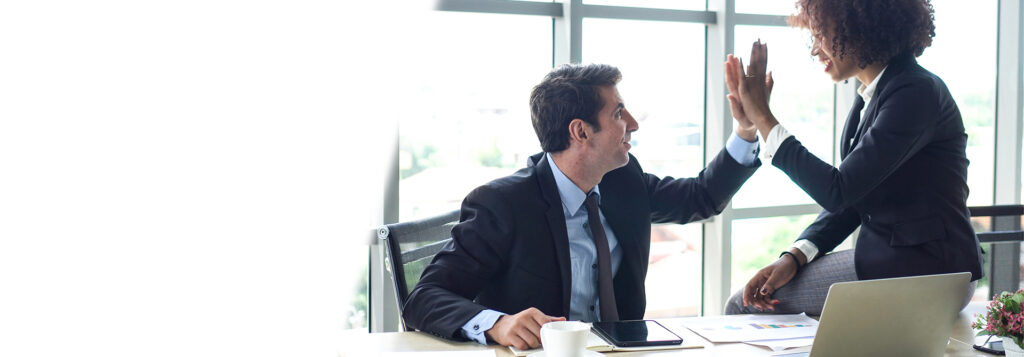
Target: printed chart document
<point x="597" y="344"/>
<point x="744" y="328"/>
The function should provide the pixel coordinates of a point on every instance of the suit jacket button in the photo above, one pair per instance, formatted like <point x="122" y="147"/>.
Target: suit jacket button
<point x="867" y="217"/>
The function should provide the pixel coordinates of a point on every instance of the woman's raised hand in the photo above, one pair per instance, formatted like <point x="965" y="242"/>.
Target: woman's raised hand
<point x="750" y="89"/>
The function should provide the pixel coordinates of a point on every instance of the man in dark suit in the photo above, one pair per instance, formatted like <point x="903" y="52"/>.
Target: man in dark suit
<point x="525" y="244"/>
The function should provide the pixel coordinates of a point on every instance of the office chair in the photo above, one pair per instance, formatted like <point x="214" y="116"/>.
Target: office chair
<point x="410" y="247"/>
<point x="1005" y="236"/>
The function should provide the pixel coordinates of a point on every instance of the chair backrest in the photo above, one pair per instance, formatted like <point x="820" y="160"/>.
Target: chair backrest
<point x="1005" y="223"/>
<point x="1005" y="234"/>
<point x="410" y="247"/>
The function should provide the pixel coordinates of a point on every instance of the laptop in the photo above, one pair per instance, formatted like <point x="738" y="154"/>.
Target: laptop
<point x="911" y="316"/>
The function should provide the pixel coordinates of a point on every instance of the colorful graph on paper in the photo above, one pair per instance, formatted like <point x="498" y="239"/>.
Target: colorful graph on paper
<point x="751" y="327"/>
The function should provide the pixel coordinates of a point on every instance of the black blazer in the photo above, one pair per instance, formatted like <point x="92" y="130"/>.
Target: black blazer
<point x="510" y="250"/>
<point x="902" y="179"/>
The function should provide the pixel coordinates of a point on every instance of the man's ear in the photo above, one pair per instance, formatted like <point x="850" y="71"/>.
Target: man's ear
<point x="577" y="130"/>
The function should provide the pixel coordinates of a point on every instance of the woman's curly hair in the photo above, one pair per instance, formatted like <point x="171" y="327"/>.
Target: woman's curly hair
<point x="872" y="31"/>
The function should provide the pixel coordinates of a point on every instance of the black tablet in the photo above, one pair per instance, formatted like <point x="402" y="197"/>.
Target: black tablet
<point x="636" y="333"/>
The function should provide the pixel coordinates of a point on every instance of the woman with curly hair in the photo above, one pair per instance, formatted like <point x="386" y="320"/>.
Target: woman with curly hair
<point x="903" y="175"/>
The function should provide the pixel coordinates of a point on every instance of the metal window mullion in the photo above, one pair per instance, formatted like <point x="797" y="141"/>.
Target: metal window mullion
<point x="759" y="20"/>
<point x="775" y="211"/>
<point x="537" y="8"/>
<point x="568" y="33"/>
<point x="1004" y="258"/>
<point x="1009" y="88"/>
<point x="647" y="14"/>
<point x="717" y="247"/>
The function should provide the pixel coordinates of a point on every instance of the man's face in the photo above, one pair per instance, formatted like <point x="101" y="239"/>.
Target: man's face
<point x="610" y="146"/>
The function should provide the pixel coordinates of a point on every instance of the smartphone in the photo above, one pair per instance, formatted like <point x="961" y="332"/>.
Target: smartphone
<point x="636" y="333"/>
<point x="994" y="347"/>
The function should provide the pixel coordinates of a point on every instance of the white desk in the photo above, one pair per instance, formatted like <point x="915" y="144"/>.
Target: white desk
<point x="354" y="343"/>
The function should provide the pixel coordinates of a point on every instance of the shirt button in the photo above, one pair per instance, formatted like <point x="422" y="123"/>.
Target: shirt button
<point x="593" y="266"/>
<point x="476" y="327"/>
<point x="591" y="307"/>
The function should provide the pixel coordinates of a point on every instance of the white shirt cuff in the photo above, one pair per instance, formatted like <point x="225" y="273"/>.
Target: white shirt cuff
<point x="474" y="329"/>
<point x="775" y="137"/>
<point x="807" y="247"/>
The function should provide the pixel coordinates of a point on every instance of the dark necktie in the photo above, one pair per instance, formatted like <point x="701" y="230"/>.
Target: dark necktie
<point x="605" y="286"/>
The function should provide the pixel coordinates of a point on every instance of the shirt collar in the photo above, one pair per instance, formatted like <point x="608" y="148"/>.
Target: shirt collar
<point x="868" y="91"/>
<point x="572" y="196"/>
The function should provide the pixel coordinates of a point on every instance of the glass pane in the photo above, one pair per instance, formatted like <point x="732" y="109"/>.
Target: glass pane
<point x="802" y="100"/>
<point x="965" y="32"/>
<point x="467" y="120"/>
<point x="662" y="66"/>
<point x="674" y="272"/>
<point x="659" y="4"/>
<point x="655" y="59"/>
<point x="757" y="242"/>
<point x="770" y="7"/>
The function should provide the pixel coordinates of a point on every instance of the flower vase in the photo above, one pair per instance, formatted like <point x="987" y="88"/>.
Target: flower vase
<point x="1011" y="348"/>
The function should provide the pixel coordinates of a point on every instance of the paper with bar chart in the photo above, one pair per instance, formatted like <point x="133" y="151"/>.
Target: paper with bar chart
<point x="738" y="328"/>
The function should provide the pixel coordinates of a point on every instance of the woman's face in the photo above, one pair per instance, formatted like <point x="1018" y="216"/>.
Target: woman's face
<point x="838" y="68"/>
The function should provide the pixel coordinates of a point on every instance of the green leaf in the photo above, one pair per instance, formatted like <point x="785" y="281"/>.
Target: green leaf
<point x="1012" y="306"/>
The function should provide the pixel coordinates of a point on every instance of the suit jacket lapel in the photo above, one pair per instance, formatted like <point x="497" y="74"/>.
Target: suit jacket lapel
<point x="867" y="120"/>
<point x="556" y="223"/>
<point x="897" y="65"/>
<point x="850" y="130"/>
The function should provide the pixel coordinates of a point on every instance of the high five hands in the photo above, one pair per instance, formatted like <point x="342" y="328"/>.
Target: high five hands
<point x="749" y="91"/>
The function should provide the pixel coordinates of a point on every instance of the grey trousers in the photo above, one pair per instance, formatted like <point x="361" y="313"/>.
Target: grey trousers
<point x="808" y="289"/>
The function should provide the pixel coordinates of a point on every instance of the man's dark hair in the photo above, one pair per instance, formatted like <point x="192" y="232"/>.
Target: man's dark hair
<point x="568" y="92"/>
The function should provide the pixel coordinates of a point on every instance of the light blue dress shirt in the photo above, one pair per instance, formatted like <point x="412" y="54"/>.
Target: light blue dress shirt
<point x="584" y="304"/>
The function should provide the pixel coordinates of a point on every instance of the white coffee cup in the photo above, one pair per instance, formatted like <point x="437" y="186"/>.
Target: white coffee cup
<point x="564" y="338"/>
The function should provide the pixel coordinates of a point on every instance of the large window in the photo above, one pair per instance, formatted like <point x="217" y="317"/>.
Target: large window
<point x="663" y="87"/>
<point x="801" y="100"/>
<point x="756" y="242"/>
<point x="662" y="4"/>
<point x="773" y="7"/>
<point x="468" y="121"/>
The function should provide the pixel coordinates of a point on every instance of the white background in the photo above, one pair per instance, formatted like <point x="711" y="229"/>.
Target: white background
<point x="188" y="177"/>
